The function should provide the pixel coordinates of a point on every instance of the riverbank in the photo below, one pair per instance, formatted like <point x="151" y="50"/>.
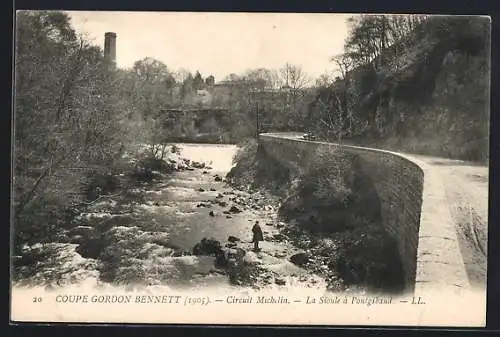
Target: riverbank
<point x="146" y="236"/>
<point x="332" y="212"/>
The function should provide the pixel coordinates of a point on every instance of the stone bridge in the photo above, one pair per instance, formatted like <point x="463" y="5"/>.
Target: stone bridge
<point x="414" y="209"/>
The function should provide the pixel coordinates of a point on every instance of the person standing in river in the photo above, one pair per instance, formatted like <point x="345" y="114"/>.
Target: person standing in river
<point x="257" y="236"/>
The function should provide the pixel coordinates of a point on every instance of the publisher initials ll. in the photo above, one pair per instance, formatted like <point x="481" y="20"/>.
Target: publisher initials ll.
<point x="417" y="300"/>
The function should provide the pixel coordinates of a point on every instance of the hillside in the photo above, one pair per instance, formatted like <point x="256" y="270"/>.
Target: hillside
<point x="431" y="93"/>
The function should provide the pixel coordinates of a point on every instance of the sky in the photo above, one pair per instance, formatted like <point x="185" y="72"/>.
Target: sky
<point x="220" y="43"/>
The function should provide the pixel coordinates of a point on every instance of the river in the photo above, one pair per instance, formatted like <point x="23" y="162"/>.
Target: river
<point x="147" y="230"/>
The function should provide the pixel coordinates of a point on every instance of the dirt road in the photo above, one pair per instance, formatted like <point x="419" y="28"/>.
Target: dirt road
<point x="466" y="188"/>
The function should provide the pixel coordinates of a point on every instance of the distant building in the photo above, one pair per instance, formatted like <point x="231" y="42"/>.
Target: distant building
<point x="197" y="98"/>
<point x="232" y="83"/>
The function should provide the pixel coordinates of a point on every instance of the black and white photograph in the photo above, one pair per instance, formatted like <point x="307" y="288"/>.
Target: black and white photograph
<point x="250" y="168"/>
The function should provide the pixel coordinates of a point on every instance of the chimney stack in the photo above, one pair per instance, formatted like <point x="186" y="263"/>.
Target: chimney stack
<point x="110" y="48"/>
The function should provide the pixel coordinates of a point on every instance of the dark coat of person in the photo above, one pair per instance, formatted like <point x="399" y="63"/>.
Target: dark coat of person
<point x="257" y="233"/>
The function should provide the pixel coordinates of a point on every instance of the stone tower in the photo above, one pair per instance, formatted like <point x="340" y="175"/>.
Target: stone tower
<point x="110" y="49"/>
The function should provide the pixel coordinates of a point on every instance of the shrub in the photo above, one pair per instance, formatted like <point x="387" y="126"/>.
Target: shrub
<point x="329" y="179"/>
<point x="332" y="189"/>
<point x="244" y="164"/>
<point x="39" y="222"/>
<point x="147" y="169"/>
<point x="254" y="167"/>
<point x="155" y="164"/>
<point x="247" y="151"/>
<point x="367" y="256"/>
<point x="100" y="184"/>
<point x="175" y="149"/>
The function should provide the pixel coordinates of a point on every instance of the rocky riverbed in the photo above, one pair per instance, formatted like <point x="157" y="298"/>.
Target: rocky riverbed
<point x="183" y="230"/>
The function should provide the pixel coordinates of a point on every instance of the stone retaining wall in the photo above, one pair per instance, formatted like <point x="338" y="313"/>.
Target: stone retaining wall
<point x="414" y="209"/>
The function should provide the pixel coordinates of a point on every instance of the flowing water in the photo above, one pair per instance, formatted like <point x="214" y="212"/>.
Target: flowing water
<point x="167" y="216"/>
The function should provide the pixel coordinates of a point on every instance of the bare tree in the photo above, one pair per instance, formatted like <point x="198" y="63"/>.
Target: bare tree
<point x="181" y="75"/>
<point x="293" y="77"/>
<point x="344" y="66"/>
<point x="348" y="92"/>
<point x="293" y="84"/>
<point x="371" y="35"/>
<point x="155" y="138"/>
<point x="80" y="128"/>
<point x="338" y="122"/>
<point x="262" y="78"/>
<point x="324" y="80"/>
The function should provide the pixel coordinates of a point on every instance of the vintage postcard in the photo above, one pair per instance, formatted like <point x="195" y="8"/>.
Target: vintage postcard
<point x="250" y="168"/>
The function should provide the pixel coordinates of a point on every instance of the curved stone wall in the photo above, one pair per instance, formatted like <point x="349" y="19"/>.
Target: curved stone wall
<point x="413" y="206"/>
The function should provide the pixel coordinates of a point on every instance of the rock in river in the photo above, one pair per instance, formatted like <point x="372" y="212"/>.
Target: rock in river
<point x="206" y="246"/>
<point x="198" y="165"/>
<point x="77" y="239"/>
<point x="299" y="259"/>
<point x="225" y="255"/>
<point x="234" y="209"/>
<point x="86" y="231"/>
<point x="279" y="281"/>
<point x="252" y="258"/>
<point x="279" y="237"/>
<point x="233" y="239"/>
<point x="62" y="238"/>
